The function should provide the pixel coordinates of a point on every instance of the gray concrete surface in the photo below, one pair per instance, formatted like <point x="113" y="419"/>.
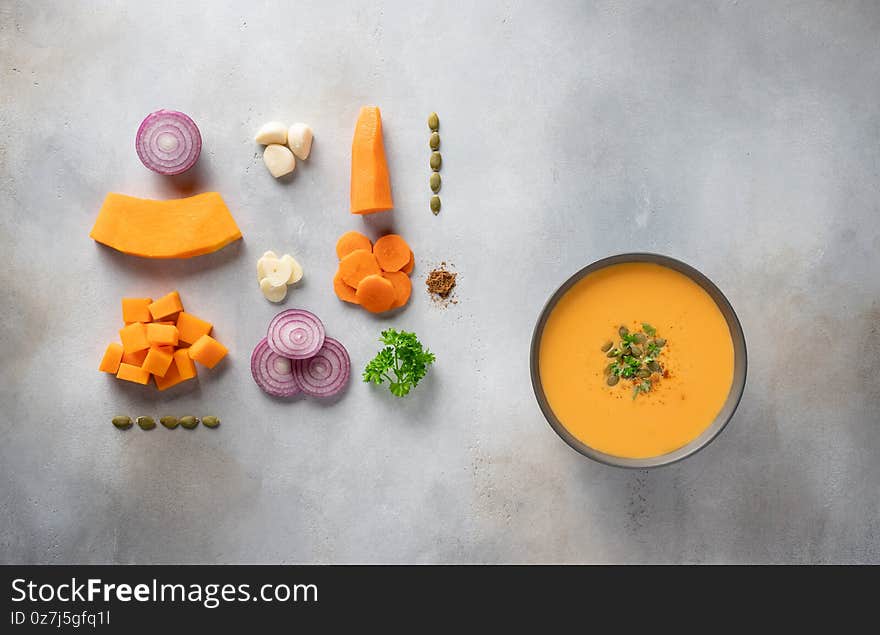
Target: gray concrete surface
<point x="742" y="137"/>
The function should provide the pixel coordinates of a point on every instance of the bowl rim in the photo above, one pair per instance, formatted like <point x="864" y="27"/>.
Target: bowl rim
<point x="730" y="405"/>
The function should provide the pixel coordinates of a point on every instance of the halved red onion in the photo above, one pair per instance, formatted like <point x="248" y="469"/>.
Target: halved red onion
<point x="296" y="334"/>
<point x="325" y="374"/>
<point x="272" y="372"/>
<point x="168" y="142"/>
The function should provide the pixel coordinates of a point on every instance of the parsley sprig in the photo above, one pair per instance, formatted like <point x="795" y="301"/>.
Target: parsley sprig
<point x="403" y="362"/>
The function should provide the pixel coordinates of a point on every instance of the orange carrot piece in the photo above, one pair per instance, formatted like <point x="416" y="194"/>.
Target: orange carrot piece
<point x="112" y="358"/>
<point x="402" y="287"/>
<point x="357" y="265"/>
<point x="343" y="291"/>
<point x="391" y="252"/>
<point x="408" y="268"/>
<point x="136" y="310"/>
<point x="370" y="181"/>
<point x="349" y="241"/>
<point x="375" y="293"/>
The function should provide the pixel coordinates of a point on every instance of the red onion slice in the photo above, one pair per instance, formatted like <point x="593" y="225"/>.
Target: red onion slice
<point x="325" y="374"/>
<point x="273" y="373"/>
<point x="296" y="334"/>
<point x="168" y="142"/>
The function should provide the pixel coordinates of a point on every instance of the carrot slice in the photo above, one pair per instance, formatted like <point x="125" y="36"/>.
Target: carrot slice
<point x="402" y="287"/>
<point x="392" y="252"/>
<point x="408" y="267"/>
<point x="343" y="291"/>
<point x="370" y="181"/>
<point x="375" y="293"/>
<point x="356" y="266"/>
<point x="349" y="241"/>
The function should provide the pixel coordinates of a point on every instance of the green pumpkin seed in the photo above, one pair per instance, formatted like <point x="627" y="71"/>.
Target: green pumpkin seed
<point x="623" y="331"/>
<point x="211" y="422"/>
<point x="643" y="373"/>
<point x="640" y="338"/>
<point x="612" y="380"/>
<point x="654" y="366"/>
<point x="610" y="367"/>
<point x="189" y="422"/>
<point x="613" y="353"/>
<point x="607" y="346"/>
<point x="434" y="182"/>
<point x="169" y="422"/>
<point x="636" y="350"/>
<point x="434" y="122"/>
<point x="434" y="141"/>
<point x="660" y="342"/>
<point x="435" y="204"/>
<point x="123" y="423"/>
<point x="436" y="161"/>
<point x="146" y="423"/>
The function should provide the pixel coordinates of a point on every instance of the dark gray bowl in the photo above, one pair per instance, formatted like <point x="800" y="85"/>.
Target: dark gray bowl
<point x="739" y="364"/>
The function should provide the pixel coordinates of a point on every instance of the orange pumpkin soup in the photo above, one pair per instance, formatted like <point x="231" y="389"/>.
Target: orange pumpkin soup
<point x="696" y="360"/>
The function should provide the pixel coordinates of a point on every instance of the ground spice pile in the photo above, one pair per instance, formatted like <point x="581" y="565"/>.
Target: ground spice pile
<point x="440" y="283"/>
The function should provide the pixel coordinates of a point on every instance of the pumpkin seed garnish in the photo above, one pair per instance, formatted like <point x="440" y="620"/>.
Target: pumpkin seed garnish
<point x="169" y="422"/>
<point x="123" y="423"/>
<point x="634" y="358"/>
<point x="189" y="422"/>
<point x="607" y="346"/>
<point x="434" y="141"/>
<point x="436" y="161"/>
<point x="146" y="423"/>
<point x="435" y="204"/>
<point x="211" y="422"/>
<point x="612" y="380"/>
<point x="434" y="182"/>
<point x="434" y="122"/>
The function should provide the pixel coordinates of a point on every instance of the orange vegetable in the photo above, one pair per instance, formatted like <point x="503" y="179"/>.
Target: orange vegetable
<point x="207" y="351"/>
<point x="112" y="358"/>
<point x="157" y="361"/>
<point x="391" y="252"/>
<point x="135" y="359"/>
<point x="375" y="293"/>
<point x="134" y="337"/>
<point x="356" y="266"/>
<point x="168" y="304"/>
<point x="162" y="334"/>
<point x="370" y="182"/>
<point x="136" y="374"/>
<point x="349" y="241"/>
<point x="171" y="378"/>
<point x="343" y="291"/>
<point x="136" y="310"/>
<point x="179" y="228"/>
<point x="402" y="287"/>
<point x="408" y="268"/>
<point x="190" y="328"/>
<point x="184" y="363"/>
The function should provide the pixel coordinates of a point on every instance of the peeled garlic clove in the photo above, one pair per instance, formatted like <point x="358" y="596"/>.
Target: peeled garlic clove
<point x="299" y="139"/>
<point x="295" y="268"/>
<point x="278" y="272"/>
<point x="267" y="257"/>
<point x="279" y="159"/>
<point x="273" y="293"/>
<point x="272" y="132"/>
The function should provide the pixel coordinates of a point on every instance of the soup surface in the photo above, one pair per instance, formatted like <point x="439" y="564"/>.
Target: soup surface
<point x="697" y="360"/>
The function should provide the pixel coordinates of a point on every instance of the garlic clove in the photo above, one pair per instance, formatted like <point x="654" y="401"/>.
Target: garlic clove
<point x="295" y="268"/>
<point x="273" y="293"/>
<point x="299" y="139"/>
<point x="279" y="159"/>
<point x="272" y="132"/>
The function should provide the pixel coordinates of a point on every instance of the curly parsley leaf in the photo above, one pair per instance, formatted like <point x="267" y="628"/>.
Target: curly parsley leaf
<point x="403" y="362"/>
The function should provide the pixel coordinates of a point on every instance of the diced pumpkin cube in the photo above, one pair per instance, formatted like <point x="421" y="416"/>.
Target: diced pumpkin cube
<point x="166" y="305"/>
<point x="136" y="310"/>
<point x="134" y="337"/>
<point x="184" y="363"/>
<point x="157" y="361"/>
<point x="135" y="359"/>
<point x="207" y="351"/>
<point x="161" y="334"/>
<point x="112" y="358"/>
<point x="128" y="372"/>
<point x="191" y="328"/>
<point x="171" y="378"/>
